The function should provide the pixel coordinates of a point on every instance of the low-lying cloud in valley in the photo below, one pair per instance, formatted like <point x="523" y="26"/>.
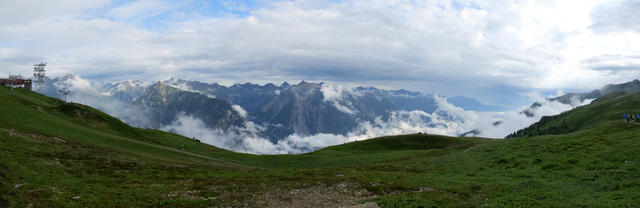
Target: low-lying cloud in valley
<point x="85" y="92"/>
<point x="487" y="53"/>
<point x="446" y="119"/>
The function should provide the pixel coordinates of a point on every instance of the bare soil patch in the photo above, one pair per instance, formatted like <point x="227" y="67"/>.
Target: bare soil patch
<point x="338" y="195"/>
<point x="38" y="138"/>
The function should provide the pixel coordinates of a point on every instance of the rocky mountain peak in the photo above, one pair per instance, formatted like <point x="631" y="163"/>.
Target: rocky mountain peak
<point x="68" y="76"/>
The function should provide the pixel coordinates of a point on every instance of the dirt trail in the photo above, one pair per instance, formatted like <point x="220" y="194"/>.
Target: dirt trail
<point x="210" y="159"/>
<point x="472" y="147"/>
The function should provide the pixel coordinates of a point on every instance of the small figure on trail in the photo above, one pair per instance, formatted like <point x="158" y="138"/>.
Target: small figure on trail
<point x="626" y="117"/>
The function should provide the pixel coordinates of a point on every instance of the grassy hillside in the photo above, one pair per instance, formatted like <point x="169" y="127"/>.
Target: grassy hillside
<point x="56" y="154"/>
<point x="605" y="113"/>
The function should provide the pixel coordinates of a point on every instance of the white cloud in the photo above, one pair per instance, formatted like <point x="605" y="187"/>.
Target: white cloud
<point x="247" y="139"/>
<point x="182" y="85"/>
<point x="141" y="8"/>
<point x="240" y="110"/>
<point x="449" y="47"/>
<point x="617" y="16"/>
<point x="192" y="127"/>
<point x="511" y="121"/>
<point x="16" y="12"/>
<point x="337" y="95"/>
<point x="447" y="119"/>
<point x="75" y="84"/>
<point x="85" y="92"/>
<point x="558" y="94"/>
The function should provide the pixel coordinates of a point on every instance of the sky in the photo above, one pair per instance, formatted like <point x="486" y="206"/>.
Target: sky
<point x="494" y="51"/>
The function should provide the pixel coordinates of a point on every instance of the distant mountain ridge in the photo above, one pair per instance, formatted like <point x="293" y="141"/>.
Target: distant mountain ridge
<point x="165" y="103"/>
<point x="558" y="124"/>
<point x="575" y="98"/>
<point x="541" y="109"/>
<point x="124" y="90"/>
<point x="602" y="112"/>
<point x="304" y="109"/>
<point x="310" y="108"/>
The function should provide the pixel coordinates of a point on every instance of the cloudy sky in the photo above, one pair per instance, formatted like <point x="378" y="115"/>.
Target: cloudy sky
<point x="494" y="51"/>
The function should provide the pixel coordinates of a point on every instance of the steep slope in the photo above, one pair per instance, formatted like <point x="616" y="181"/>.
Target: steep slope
<point x="165" y="104"/>
<point x="52" y="152"/>
<point x="574" y="99"/>
<point x="603" y="112"/>
<point x="300" y="109"/>
<point x="610" y="88"/>
<point x="250" y="97"/>
<point x="29" y="114"/>
<point x="126" y="91"/>
<point x="312" y="108"/>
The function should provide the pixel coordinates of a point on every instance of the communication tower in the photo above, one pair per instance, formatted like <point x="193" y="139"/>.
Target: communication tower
<point x="12" y="80"/>
<point x="63" y="92"/>
<point x="38" y="75"/>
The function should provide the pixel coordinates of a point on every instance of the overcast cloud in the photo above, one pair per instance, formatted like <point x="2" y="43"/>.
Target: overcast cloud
<point x="489" y="50"/>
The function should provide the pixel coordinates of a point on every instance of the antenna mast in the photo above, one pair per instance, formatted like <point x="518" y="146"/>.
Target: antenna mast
<point x="38" y="75"/>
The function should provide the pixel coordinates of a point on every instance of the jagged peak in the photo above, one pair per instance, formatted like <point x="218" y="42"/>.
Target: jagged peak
<point x="403" y="92"/>
<point x="124" y="84"/>
<point x="67" y="76"/>
<point x="128" y="82"/>
<point x="307" y="85"/>
<point x="173" y="79"/>
<point x="159" y="84"/>
<point x="245" y="85"/>
<point x="248" y="84"/>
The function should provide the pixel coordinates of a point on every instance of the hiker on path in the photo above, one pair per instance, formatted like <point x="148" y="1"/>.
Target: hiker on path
<point x="626" y="117"/>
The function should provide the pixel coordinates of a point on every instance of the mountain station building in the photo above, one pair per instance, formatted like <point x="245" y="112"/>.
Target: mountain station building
<point x="16" y="81"/>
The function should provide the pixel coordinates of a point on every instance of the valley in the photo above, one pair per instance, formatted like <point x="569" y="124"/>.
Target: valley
<point x="319" y="103"/>
<point x="64" y="154"/>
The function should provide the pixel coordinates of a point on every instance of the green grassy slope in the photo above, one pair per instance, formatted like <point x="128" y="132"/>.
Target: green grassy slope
<point x="57" y="154"/>
<point x="603" y="113"/>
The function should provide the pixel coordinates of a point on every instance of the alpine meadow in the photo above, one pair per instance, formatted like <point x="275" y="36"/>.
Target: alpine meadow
<point x="319" y="103"/>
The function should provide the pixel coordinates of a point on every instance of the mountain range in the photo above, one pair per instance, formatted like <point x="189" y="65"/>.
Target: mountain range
<point x="303" y="109"/>
<point x="539" y="111"/>
<point x="575" y="99"/>
<point x="65" y="154"/>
